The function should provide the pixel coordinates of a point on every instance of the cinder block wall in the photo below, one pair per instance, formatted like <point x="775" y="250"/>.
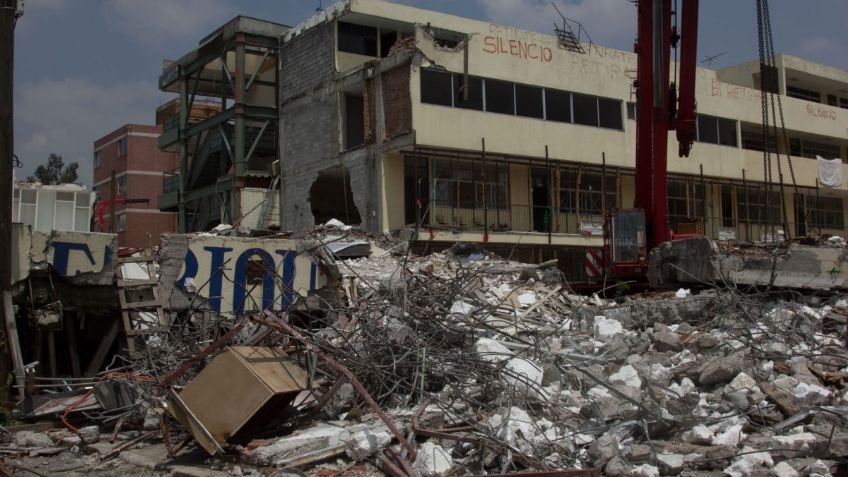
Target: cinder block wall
<point x="310" y="131"/>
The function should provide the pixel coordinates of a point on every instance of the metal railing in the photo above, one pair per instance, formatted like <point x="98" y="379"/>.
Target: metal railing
<point x="544" y="219"/>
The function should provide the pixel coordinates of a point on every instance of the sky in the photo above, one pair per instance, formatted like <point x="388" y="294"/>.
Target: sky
<point x="84" y="68"/>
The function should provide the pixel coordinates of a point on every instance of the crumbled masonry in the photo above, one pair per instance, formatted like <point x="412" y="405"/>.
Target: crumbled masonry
<point x="479" y="365"/>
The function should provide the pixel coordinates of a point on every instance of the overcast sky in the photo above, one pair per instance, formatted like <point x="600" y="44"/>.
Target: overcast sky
<point x="86" y="67"/>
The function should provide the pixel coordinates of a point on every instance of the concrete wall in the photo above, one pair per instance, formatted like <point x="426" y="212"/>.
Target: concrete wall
<point x="235" y="275"/>
<point x="83" y="258"/>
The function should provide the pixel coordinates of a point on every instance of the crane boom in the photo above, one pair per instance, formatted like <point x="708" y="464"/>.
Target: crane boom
<point x="657" y="106"/>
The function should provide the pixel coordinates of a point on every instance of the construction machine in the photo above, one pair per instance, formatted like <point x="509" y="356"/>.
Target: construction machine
<point x="662" y="105"/>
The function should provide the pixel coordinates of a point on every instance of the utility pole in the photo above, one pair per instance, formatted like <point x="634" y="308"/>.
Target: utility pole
<point x="9" y="12"/>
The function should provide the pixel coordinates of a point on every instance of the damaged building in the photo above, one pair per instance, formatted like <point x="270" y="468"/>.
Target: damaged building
<point x="390" y="116"/>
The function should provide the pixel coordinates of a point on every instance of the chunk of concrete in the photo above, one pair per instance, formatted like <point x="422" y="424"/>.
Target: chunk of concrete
<point x="432" y="461"/>
<point x="89" y="434"/>
<point x="606" y="328"/>
<point x="722" y="369"/>
<point x="32" y="439"/>
<point x="366" y="443"/>
<point x="628" y="376"/>
<point x="645" y="470"/>
<point x="492" y="350"/>
<point x="666" y="341"/>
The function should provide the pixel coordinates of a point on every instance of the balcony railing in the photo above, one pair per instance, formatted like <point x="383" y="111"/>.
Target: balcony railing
<point x="512" y="218"/>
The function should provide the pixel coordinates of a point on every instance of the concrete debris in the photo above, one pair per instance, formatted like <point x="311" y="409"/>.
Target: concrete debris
<point x="462" y="363"/>
<point x="433" y="460"/>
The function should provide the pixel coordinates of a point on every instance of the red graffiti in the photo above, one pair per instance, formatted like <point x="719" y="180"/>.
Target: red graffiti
<point x="522" y="49"/>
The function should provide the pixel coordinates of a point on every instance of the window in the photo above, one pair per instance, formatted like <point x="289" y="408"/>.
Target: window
<point x="388" y="38"/>
<point x="475" y="92"/>
<point x="752" y="206"/>
<point x="591" y="192"/>
<point x="122" y="147"/>
<point x="460" y="184"/>
<point x="717" y="130"/>
<point x="685" y="200"/>
<point x="727" y="206"/>
<point x="121" y="185"/>
<point x="436" y="87"/>
<point x="500" y="97"/>
<point x="358" y="39"/>
<point x="528" y="101"/>
<point x="727" y="132"/>
<point x="96" y="159"/>
<point x="631" y="111"/>
<point x="843" y="103"/>
<point x="754" y="141"/>
<point x="832" y="100"/>
<point x="827" y="212"/>
<point x="122" y="223"/>
<point x="558" y="105"/>
<point x="354" y="121"/>
<point x="609" y="113"/>
<point x="707" y="129"/>
<point x="811" y="149"/>
<point x="805" y="94"/>
<point x="585" y="109"/>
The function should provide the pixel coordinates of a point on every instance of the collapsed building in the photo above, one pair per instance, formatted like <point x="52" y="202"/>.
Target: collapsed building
<point x="392" y="116"/>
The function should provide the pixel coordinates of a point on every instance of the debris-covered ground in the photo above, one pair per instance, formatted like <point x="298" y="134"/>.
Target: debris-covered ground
<point x="465" y="364"/>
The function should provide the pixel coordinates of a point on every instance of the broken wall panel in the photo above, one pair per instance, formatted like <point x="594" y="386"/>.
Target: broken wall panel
<point x="234" y="275"/>
<point x="84" y="258"/>
<point x="397" y="102"/>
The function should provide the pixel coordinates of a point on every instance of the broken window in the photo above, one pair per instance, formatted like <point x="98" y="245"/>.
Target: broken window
<point x="585" y="109"/>
<point x="528" y="101"/>
<point x="500" y="97"/>
<point x="354" y="121"/>
<point x="609" y="113"/>
<point x="388" y="38"/>
<point x="436" y="87"/>
<point x="558" y="105"/>
<point x="358" y="39"/>
<point x="474" y="89"/>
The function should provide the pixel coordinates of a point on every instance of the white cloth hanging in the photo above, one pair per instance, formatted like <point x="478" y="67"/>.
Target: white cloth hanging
<point x="830" y="172"/>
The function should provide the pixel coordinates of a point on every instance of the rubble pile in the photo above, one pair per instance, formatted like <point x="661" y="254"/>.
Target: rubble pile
<point x="461" y="363"/>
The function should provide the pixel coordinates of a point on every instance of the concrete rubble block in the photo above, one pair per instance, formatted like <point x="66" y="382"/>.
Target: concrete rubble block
<point x="666" y="341"/>
<point x="670" y="464"/>
<point x="730" y="437"/>
<point x="321" y="436"/>
<point x="603" y="449"/>
<point x="783" y="469"/>
<point x="32" y="439"/>
<point x="627" y="376"/>
<point x="722" y="369"/>
<point x="645" y="470"/>
<point x="366" y="443"/>
<point x="525" y="376"/>
<point x="433" y="460"/>
<point x="89" y="434"/>
<point x="492" y="350"/>
<point x="748" y="464"/>
<point x="605" y="328"/>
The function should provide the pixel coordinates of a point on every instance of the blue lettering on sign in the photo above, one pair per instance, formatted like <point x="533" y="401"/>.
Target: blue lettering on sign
<point x="215" y="283"/>
<point x="62" y="252"/>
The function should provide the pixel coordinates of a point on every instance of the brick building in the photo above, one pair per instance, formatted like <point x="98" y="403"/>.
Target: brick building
<point x="132" y="152"/>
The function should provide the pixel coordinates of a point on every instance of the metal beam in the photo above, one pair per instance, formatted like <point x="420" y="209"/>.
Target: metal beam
<point x="258" y="67"/>
<point x="256" y="141"/>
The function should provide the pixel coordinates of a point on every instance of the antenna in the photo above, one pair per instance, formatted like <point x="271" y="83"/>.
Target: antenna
<point x="709" y="59"/>
<point x="320" y="6"/>
<point x="567" y="38"/>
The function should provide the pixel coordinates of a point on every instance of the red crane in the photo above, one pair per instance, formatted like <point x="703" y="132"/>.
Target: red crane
<point x="662" y="105"/>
